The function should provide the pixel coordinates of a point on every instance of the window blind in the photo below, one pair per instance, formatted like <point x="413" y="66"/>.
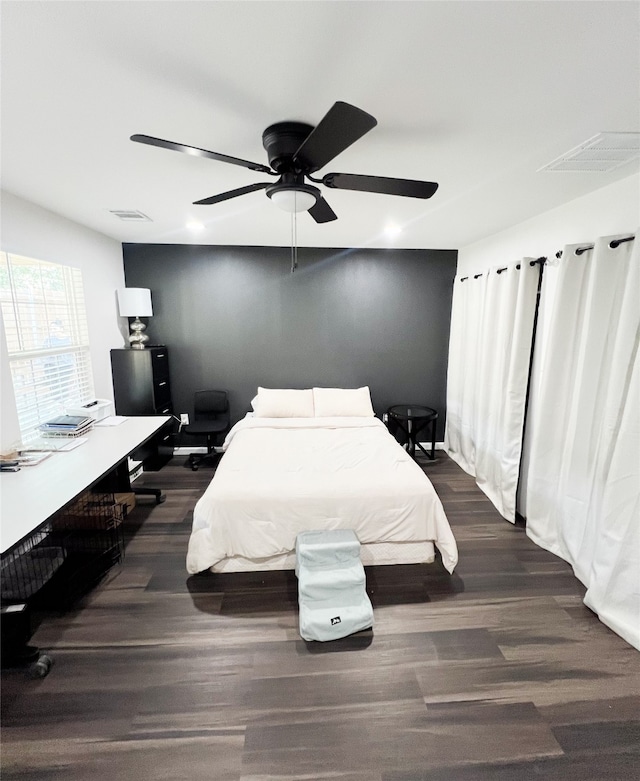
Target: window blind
<point x="47" y="337"/>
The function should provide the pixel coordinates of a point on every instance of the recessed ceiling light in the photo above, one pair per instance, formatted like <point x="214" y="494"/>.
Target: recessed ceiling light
<point x="192" y="225"/>
<point x="392" y="230"/>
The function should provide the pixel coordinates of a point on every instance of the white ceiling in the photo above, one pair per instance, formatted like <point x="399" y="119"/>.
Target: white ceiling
<point x="474" y="95"/>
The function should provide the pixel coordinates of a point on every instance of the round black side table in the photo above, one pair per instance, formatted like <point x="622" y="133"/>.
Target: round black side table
<point x="413" y="419"/>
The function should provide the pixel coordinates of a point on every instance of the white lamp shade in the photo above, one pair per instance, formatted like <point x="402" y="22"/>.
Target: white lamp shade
<point x="135" y="302"/>
<point x="293" y="200"/>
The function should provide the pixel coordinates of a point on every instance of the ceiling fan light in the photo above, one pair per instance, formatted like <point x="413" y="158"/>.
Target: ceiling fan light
<point x="293" y="200"/>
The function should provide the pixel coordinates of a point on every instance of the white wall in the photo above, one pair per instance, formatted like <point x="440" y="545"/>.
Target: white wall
<point x="34" y="232"/>
<point x="611" y="210"/>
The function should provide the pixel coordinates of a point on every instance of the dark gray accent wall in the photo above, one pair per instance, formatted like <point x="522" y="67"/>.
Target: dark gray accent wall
<point x="234" y="318"/>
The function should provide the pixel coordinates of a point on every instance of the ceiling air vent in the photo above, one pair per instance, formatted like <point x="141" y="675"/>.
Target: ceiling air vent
<point x="130" y="215"/>
<point x="603" y="152"/>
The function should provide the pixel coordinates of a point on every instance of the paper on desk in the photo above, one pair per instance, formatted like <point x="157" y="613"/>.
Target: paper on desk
<point x="32" y="459"/>
<point x="51" y="445"/>
<point x="72" y="444"/>
<point x="112" y="420"/>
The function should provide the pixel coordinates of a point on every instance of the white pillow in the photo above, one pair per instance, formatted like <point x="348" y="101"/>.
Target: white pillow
<point x="283" y="403"/>
<point x="343" y="402"/>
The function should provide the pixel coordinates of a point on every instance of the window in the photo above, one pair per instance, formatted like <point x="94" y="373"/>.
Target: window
<point x="47" y="338"/>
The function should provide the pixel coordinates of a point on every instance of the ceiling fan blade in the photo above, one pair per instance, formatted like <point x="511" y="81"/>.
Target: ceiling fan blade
<point x="411" y="188"/>
<point x="322" y="212"/>
<point x="338" y="129"/>
<point x="250" y="188"/>
<point x="193" y="150"/>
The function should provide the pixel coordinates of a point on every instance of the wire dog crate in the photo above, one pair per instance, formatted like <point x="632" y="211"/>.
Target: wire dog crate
<point x="56" y="565"/>
<point x="29" y="566"/>
<point x="91" y="533"/>
<point x="24" y="572"/>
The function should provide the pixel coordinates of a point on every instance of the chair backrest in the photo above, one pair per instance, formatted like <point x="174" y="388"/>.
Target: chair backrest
<point x="210" y="405"/>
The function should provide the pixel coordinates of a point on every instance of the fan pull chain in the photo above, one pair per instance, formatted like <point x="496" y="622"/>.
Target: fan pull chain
<point x="294" y="239"/>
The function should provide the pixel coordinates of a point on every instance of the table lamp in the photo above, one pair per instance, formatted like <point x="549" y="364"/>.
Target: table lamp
<point x="136" y="302"/>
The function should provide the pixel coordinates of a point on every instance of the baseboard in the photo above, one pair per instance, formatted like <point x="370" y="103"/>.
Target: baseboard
<point x="427" y="446"/>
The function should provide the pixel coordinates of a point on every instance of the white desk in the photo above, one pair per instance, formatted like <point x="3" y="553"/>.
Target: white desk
<point x="32" y="495"/>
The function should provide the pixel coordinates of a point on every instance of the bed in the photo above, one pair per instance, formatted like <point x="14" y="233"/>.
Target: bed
<point x="293" y="465"/>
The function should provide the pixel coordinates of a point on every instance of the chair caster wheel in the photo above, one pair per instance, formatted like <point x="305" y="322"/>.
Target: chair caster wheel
<point x="41" y="667"/>
<point x="194" y="468"/>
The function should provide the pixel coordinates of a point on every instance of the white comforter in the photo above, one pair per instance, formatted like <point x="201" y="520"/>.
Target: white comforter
<point x="280" y="476"/>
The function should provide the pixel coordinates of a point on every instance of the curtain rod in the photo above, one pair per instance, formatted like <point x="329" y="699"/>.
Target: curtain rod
<point x="612" y="245"/>
<point x="617" y="242"/>
<point x="541" y="260"/>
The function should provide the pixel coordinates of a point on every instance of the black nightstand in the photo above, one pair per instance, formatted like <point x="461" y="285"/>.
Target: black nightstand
<point x="412" y="419"/>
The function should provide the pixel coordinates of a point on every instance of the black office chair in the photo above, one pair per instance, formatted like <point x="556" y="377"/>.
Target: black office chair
<point x="211" y="418"/>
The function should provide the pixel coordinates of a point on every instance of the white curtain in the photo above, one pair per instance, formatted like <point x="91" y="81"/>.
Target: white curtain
<point x="490" y="346"/>
<point x="466" y="314"/>
<point x="583" y="475"/>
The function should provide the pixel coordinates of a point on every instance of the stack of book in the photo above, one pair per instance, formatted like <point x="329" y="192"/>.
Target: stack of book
<point x="67" y="426"/>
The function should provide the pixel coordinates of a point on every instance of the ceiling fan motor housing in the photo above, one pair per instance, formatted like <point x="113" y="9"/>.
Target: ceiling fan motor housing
<point x="282" y="141"/>
<point x="293" y="182"/>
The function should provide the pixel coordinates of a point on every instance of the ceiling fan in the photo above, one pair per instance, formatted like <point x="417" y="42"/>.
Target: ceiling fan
<point x="296" y="150"/>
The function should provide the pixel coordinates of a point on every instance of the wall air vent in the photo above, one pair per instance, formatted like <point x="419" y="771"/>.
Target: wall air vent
<point x="603" y="152"/>
<point x="130" y="215"/>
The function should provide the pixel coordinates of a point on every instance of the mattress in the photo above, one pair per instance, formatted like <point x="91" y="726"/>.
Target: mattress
<point x="281" y="476"/>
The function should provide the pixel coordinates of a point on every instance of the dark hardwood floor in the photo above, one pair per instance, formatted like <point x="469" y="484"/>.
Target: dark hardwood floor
<point x="497" y="673"/>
